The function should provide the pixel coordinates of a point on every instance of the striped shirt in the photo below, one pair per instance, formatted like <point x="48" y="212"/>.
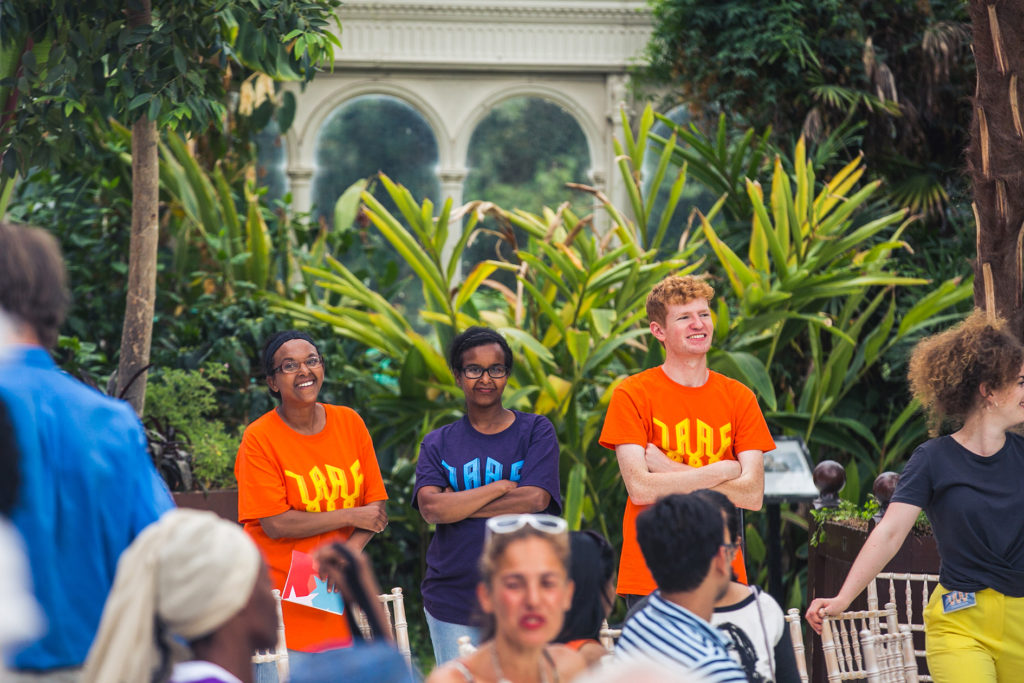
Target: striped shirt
<point x="676" y="637"/>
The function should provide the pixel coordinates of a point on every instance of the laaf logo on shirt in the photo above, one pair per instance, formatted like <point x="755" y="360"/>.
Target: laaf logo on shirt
<point x="693" y="445"/>
<point x="493" y="471"/>
<point x="329" y="488"/>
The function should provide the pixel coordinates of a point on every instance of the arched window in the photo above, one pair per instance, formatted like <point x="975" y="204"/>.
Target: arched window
<point x="365" y="135"/>
<point x="368" y="134"/>
<point x="520" y="156"/>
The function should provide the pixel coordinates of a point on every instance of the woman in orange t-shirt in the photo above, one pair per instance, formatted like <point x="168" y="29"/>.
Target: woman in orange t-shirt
<point x="307" y="474"/>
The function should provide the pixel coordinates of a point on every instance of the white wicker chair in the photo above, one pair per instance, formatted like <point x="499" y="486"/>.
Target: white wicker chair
<point x="796" y="635"/>
<point x="394" y="605"/>
<point x="913" y="589"/>
<point x="280" y="652"/>
<point x="842" y="641"/>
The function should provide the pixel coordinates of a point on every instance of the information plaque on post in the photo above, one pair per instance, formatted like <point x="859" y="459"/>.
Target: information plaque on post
<point x="787" y="479"/>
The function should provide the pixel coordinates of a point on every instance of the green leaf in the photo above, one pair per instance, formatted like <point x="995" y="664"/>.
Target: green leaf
<point x="574" y="494"/>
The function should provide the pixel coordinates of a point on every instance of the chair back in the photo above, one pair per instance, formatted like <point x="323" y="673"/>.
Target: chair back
<point x="842" y="641"/>
<point x="608" y="636"/>
<point x="394" y="606"/>
<point x="280" y="652"/>
<point x="466" y="646"/>
<point x="889" y="657"/>
<point x="910" y="593"/>
<point x="796" y="636"/>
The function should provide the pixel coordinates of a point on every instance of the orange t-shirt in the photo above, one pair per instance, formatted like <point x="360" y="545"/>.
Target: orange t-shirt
<point x="278" y="470"/>
<point x="693" y="425"/>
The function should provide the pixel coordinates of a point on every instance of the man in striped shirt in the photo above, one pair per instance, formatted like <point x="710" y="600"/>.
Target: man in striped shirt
<point x="689" y="551"/>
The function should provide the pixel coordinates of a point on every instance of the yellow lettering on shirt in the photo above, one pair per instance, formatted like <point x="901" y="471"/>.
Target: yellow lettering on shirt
<point x="694" y="441"/>
<point x="312" y="504"/>
<point x="329" y="488"/>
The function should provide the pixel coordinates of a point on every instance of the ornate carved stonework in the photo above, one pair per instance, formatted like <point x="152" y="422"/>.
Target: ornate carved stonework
<point x="500" y="34"/>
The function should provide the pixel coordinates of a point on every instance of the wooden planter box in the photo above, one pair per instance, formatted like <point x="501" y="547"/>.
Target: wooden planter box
<point x="830" y="562"/>
<point x="224" y="502"/>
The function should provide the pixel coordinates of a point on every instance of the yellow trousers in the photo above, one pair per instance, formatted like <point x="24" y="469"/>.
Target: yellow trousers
<point x="979" y="644"/>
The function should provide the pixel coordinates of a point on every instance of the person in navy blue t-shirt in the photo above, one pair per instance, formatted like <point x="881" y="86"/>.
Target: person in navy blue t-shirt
<point x="493" y="461"/>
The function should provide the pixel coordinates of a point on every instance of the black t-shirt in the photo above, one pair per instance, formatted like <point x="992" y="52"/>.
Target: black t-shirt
<point x="976" y="509"/>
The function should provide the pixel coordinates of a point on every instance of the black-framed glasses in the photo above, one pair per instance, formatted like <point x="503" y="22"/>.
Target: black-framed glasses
<point x="477" y="371"/>
<point x="290" y="367"/>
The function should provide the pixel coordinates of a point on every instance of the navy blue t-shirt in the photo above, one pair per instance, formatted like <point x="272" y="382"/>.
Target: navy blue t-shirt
<point x="974" y="506"/>
<point x="459" y="456"/>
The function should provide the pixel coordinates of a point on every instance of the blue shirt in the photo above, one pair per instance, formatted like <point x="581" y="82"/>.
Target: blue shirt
<point x="460" y="457"/>
<point x="88" y="487"/>
<point x="672" y="635"/>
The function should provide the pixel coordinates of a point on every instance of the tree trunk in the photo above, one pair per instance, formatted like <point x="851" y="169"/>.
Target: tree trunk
<point x="995" y="157"/>
<point x="137" y="332"/>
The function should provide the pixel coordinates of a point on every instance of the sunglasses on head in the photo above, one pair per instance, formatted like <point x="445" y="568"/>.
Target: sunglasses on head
<point x="507" y="524"/>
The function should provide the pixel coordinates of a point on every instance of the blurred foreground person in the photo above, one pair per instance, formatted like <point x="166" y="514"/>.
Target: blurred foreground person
<point x="689" y="551"/>
<point x="968" y="483"/>
<point x="195" y="577"/>
<point x="524" y="592"/>
<point x="20" y="618"/>
<point x="375" y="661"/>
<point x="592" y="570"/>
<point x="752" y="619"/>
<point x="88" y="485"/>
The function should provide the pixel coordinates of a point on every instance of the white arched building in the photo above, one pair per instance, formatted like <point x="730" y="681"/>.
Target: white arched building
<point x="455" y="60"/>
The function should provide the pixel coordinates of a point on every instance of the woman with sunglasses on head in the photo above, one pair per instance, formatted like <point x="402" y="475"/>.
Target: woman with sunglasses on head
<point x="524" y="591"/>
<point x="492" y="461"/>
<point x="307" y="474"/>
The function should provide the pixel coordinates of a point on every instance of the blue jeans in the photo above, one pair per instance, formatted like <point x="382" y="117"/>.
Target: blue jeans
<point x="266" y="672"/>
<point x="444" y="636"/>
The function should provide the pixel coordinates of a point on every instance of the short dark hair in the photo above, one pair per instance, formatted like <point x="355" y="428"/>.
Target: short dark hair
<point x="722" y="502"/>
<point x="679" y="536"/>
<point x="473" y="337"/>
<point x="276" y="341"/>
<point x="33" y="282"/>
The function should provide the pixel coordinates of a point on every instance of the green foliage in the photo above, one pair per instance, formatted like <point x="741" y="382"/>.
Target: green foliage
<point x="185" y="401"/>
<point x="815" y="308"/>
<point x="77" y="59"/>
<point x="892" y="79"/>
<point x="848" y="510"/>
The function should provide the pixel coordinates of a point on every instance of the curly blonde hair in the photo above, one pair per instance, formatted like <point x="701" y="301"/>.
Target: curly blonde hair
<point x="676" y="289"/>
<point x="947" y="369"/>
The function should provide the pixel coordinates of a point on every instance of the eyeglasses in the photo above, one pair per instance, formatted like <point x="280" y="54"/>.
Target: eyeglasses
<point x="290" y="367"/>
<point x="731" y="547"/>
<point x="477" y="371"/>
<point x="507" y="524"/>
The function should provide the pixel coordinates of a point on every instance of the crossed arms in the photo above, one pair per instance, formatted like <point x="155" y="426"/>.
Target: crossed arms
<point x="445" y="506"/>
<point x="649" y="474"/>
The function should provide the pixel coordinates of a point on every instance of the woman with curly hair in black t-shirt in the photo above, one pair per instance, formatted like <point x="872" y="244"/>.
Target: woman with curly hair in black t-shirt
<point x="968" y="482"/>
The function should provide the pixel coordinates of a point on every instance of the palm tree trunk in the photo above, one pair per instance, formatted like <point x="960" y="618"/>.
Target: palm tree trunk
<point x="137" y="333"/>
<point x="995" y="157"/>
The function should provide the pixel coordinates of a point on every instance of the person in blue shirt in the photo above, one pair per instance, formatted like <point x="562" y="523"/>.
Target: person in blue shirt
<point x="88" y="486"/>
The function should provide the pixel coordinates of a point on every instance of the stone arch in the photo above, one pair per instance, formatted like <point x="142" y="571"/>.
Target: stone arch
<point x="591" y="129"/>
<point x="300" y="145"/>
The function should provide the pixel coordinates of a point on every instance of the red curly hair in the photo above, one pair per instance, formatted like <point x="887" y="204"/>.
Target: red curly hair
<point x="676" y="289"/>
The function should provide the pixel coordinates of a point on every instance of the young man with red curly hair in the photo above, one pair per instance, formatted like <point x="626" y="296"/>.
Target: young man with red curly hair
<point x="680" y="426"/>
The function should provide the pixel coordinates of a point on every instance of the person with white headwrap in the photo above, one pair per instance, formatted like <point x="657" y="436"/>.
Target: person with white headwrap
<point x="192" y="577"/>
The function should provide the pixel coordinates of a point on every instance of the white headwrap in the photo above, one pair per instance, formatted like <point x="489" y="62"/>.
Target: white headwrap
<point x="190" y="572"/>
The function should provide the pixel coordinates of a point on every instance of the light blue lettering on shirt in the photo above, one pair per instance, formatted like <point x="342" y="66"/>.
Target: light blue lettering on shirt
<point x="493" y="470"/>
